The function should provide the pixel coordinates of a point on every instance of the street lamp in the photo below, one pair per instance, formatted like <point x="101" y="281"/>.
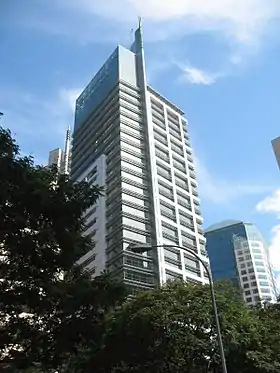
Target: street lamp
<point x="140" y="249"/>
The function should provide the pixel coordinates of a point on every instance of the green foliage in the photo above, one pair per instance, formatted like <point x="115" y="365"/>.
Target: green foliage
<point x="172" y="329"/>
<point x="54" y="318"/>
<point x="48" y="309"/>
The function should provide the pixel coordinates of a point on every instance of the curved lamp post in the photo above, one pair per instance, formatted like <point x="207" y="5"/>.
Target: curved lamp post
<point x="140" y="249"/>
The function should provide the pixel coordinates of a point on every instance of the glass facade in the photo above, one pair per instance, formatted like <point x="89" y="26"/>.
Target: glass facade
<point x="238" y="253"/>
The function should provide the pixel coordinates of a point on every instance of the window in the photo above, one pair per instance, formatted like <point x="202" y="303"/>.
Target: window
<point x="133" y="188"/>
<point x="128" y="129"/>
<point x="133" y="167"/>
<point x="88" y="260"/>
<point x="136" y="262"/>
<point x="167" y="210"/>
<point x="264" y="283"/>
<point x="191" y="263"/>
<point x="243" y="272"/>
<point x="258" y="257"/>
<point x="131" y="138"/>
<point x="170" y="241"/>
<point x="242" y="265"/>
<point x="183" y="200"/>
<point x="185" y="215"/>
<point x="135" y="236"/>
<point x="265" y="291"/>
<point x="91" y="270"/>
<point x="256" y="251"/>
<point x="250" y="270"/>
<point x="188" y="240"/>
<point x="135" y="200"/>
<point x="91" y="173"/>
<point x="90" y="222"/>
<point x="177" y="148"/>
<point x="128" y="147"/>
<point x="165" y="190"/>
<point x="179" y="165"/>
<point x="245" y="278"/>
<point x="186" y="221"/>
<point x="91" y="234"/>
<point x="252" y="277"/>
<point x="159" y="136"/>
<point x="181" y="181"/>
<point x="247" y="292"/>
<point x="132" y="157"/>
<point x="171" y="276"/>
<point x="128" y="112"/>
<point x="172" y="254"/>
<point x="169" y="230"/>
<point x="246" y="286"/>
<point x="175" y="134"/>
<point x="162" y="154"/>
<point x="136" y="179"/>
<point x="164" y="171"/>
<point x="190" y="280"/>
<point x="268" y="298"/>
<point x="262" y="277"/>
<point x="183" y="196"/>
<point x="259" y="264"/>
<point x="134" y="223"/>
<point x="134" y="211"/>
<point x="254" y="283"/>
<point x="260" y="270"/>
<point x="249" y="299"/>
<point x="138" y="277"/>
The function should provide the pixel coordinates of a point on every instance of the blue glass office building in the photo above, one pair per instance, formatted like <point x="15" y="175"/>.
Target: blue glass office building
<point x="237" y="252"/>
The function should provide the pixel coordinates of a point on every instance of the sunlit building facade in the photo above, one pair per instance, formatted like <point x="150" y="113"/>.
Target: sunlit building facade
<point x="133" y="141"/>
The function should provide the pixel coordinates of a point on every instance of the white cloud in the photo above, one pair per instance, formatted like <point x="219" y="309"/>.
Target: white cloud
<point x="193" y="75"/>
<point x="223" y="192"/>
<point x="271" y="204"/>
<point x="243" y="20"/>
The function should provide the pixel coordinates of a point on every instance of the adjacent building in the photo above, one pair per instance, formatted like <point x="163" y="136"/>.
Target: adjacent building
<point x="62" y="158"/>
<point x="276" y="148"/>
<point x="237" y="252"/>
<point x="135" y="142"/>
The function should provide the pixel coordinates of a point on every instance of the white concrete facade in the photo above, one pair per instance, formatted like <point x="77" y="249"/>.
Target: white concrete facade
<point x="255" y="271"/>
<point x="150" y="188"/>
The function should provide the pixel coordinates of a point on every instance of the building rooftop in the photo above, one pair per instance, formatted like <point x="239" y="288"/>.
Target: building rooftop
<point x="165" y="100"/>
<point x="223" y="224"/>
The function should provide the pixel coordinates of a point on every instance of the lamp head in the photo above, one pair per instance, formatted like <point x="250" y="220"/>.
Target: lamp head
<point x="139" y="248"/>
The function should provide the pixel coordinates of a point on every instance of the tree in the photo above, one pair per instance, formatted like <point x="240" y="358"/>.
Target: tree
<point x="49" y="309"/>
<point x="172" y="329"/>
<point x="267" y="357"/>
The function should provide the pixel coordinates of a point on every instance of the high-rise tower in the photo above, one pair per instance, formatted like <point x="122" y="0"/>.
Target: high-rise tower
<point x="135" y="142"/>
<point x="237" y="252"/>
<point x="62" y="159"/>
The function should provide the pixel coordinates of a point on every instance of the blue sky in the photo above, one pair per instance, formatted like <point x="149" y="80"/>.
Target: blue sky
<point x="218" y="61"/>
